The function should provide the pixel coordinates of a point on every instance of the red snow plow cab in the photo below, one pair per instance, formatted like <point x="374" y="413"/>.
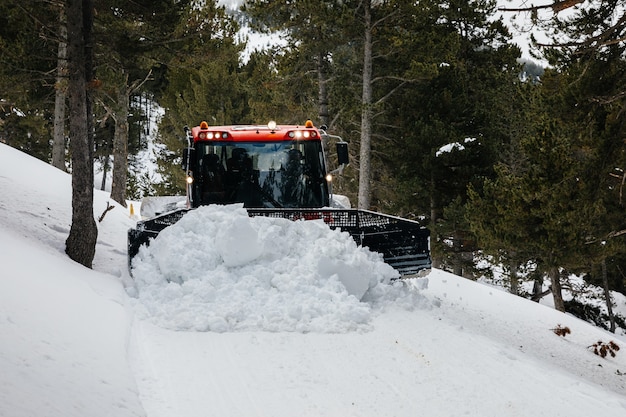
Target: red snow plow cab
<point x="281" y="171"/>
<point x="266" y="166"/>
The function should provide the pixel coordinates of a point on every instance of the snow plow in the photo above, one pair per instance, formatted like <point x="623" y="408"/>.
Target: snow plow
<point x="280" y="171"/>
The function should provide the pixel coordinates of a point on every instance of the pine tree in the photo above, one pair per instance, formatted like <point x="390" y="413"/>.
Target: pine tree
<point x="542" y="210"/>
<point x="454" y="123"/>
<point x="135" y="37"/>
<point x="312" y="34"/>
<point x="199" y="82"/>
<point x="28" y="41"/>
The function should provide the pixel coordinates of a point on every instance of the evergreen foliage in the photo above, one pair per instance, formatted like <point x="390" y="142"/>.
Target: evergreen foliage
<point x="199" y="82"/>
<point x="564" y="191"/>
<point x="466" y="103"/>
<point x="27" y="63"/>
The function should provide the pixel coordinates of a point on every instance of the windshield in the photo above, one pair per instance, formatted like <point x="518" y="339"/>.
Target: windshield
<point x="267" y="174"/>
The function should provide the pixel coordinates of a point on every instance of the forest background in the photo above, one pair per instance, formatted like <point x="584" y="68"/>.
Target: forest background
<point x="502" y="159"/>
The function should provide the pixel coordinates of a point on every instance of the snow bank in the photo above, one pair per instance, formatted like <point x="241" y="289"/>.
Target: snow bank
<point x="219" y="270"/>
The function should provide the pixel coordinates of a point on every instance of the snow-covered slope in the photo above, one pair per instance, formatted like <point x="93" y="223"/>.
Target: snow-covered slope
<point x="80" y="342"/>
<point x="64" y="329"/>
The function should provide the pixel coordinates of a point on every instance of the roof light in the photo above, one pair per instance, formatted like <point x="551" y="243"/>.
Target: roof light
<point x="308" y="124"/>
<point x="271" y="125"/>
<point x="202" y="135"/>
<point x="204" y="125"/>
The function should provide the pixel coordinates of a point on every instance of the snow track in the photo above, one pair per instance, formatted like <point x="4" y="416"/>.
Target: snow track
<point x="431" y="361"/>
<point x="264" y="374"/>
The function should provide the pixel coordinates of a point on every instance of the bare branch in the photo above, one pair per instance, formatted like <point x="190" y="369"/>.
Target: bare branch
<point x="610" y="99"/>
<point x="136" y="85"/>
<point x="597" y="41"/>
<point x="107" y="108"/>
<point x="104" y="213"/>
<point x="556" y="7"/>
<point x="566" y="4"/>
<point x="384" y="18"/>
<point x="610" y="235"/>
<point x="616" y="233"/>
<point x="390" y="93"/>
<point x="621" y="177"/>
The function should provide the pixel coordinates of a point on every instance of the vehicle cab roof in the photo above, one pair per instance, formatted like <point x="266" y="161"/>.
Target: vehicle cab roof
<point x="255" y="133"/>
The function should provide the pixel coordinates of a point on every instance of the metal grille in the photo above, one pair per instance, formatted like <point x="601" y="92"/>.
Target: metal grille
<point x="403" y="243"/>
<point x="337" y="218"/>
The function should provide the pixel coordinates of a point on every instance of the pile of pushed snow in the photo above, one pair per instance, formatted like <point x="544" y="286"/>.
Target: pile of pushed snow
<point x="219" y="270"/>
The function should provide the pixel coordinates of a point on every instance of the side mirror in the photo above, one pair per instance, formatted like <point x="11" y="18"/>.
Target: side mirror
<point x="342" y="153"/>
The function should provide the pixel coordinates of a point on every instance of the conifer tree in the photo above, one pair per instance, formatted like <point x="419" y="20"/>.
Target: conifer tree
<point x="586" y="47"/>
<point x="28" y="40"/>
<point x="200" y="81"/>
<point x="135" y="37"/>
<point x="312" y="33"/>
<point x="337" y="41"/>
<point x="542" y="210"/>
<point x="454" y="124"/>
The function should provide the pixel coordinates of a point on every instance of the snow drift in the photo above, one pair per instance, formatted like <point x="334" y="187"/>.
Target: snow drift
<point x="219" y="270"/>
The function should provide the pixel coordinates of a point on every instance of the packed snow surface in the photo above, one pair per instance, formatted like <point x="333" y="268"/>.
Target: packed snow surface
<point x="279" y="335"/>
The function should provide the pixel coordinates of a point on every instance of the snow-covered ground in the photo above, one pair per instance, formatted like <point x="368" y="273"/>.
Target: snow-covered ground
<point x="270" y="329"/>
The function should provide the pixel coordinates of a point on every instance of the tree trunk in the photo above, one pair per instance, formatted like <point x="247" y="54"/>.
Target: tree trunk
<point x="120" y="147"/>
<point x="557" y="293"/>
<point x="322" y="91"/>
<point x="88" y="9"/>
<point x="105" y="172"/>
<point x="538" y="292"/>
<point x="513" y="277"/>
<point x="434" y="218"/>
<point x="58" y="142"/>
<point x="607" y="297"/>
<point x="81" y="242"/>
<point x="457" y="254"/>
<point x="364" y="197"/>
